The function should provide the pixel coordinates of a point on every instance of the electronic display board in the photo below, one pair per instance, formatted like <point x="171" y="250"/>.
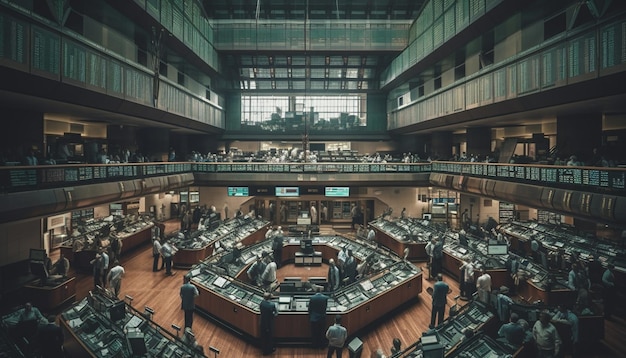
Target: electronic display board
<point x="337" y="191"/>
<point x="287" y="191"/>
<point x="238" y="191"/>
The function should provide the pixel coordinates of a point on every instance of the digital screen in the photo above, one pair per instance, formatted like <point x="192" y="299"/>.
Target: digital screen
<point x="287" y="191"/>
<point x="194" y="197"/>
<point x="337" y="191"/>
<point x="238" y="191"/>
<point x="184" y="196"/>
<point x="497" y="249"/>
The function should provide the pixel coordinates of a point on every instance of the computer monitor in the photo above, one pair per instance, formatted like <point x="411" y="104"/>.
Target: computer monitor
<point x="306" y="245"/>
<point x="37" y="255"/>
<point x="136" y="344"/>
<point x="287" y="287"/>
<point x="293" y="279"/>
<point x="38" y="268"/>
<point x="117" y="311"/>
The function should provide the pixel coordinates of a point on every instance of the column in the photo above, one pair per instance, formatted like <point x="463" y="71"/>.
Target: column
<point x="441" y="145"/>
<point x="478" y="141"/>
<point x="23" y="133"/>
<point x="154" y="143"/>
<point x="578" y="134"/>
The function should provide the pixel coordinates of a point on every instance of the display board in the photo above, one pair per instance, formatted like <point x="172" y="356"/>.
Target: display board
<point x="238" y="191"/>
<point x="337" y="191"/>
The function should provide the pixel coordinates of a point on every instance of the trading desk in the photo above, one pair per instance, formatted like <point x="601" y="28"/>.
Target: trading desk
<point x="91" y="330"/>
<point x="51" y="295"/>
<point x="399" y="234"/>
<point x="201" y="244"/>
<point x="236" y="304"/>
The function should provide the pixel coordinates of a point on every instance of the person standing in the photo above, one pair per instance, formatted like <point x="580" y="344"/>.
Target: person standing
<point x="546" y="337"/>
<point x="429" y="251"/>
<point x="269" y="274"/>
<point x="512" y="332"/>
<point x="334" y="279"/>
<point x="324" y="214"/>
<point x="97" y="270"/>
<point x="156" y="253"/>
<point x="277" y="248"/>
<point x="608" y="284"/>
<point x="115" y="277"/>
<point x="350" y="268"/>
<point x="313" y="211"/>
<point x="566" y="316"/>
<point x="255" y="270"/>
<point x="440" y="293"/>
<point x="483" y="286"/>
<point x="188" y="294"/>
<point x="355" y="215"/>
<point x="51" y="339"/>
<point x="168" y="251"/>
<point x="437" y="256"/>
<point x="105" y="267"/>
<point x="268" y="313"/>
<point x="336" y="335"/>
<point x="272" y="210"/>
<point x="467" y="276"/>
<point x="317" y="318"/>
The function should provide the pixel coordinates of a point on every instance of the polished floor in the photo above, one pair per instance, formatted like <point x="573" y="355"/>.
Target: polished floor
<point x="160" y="292"/>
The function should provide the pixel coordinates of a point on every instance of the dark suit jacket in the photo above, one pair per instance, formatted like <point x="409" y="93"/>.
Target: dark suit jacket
<point x="317" y="307"/>
<point x="440" y="291"/>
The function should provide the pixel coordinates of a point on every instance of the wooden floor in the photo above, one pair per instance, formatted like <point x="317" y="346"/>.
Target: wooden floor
<point x="160" y="292"/>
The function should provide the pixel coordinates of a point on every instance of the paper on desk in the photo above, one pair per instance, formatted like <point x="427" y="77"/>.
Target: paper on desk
<point x="76" y="322"/>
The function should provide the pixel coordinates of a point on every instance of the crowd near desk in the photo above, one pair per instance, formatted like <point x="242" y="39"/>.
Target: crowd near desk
<point x="80" y="249"/>
<point x="398" y="234"/>
<point x="232" y="302"/>
<point x="201" y="244"/>
<point x="52" y="294"/>
<point x="102" y="326"/>
<point x="565" y="244"/>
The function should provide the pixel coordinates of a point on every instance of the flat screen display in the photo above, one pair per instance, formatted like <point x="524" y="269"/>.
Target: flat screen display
<point x="287" y="191"/>
<point x="238" y="191"/>
<point x="337" y="191"/>
<point x="500" y="249"/>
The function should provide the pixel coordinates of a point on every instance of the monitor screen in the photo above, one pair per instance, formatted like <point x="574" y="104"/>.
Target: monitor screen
<point x="38" y="268"/>
<point x="307" y="246"/>
<point x="37" y="255"/>
<point x="117" y="311"/>
<point x="238" y="191"/>
<point x="499" y="249"/>
<point x="287" y="191"/>
<point x="430" y="339"/>
<point x="337" y="191"/>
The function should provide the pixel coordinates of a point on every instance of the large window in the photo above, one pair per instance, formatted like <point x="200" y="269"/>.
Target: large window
<point x="293" y="113"/>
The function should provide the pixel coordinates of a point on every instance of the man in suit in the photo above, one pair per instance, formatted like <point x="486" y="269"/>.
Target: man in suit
<point x="317" y="318"/>
<point x="188" y="294"/>
<point x="51" y="339"/>
<point x="268" y="312"/>
<point x="440" y="292"/>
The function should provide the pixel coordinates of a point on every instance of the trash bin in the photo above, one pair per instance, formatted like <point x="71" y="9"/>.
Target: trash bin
<point x="355" y="348"/>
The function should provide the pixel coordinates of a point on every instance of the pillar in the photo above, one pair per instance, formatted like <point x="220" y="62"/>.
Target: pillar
<point x="578" y="134"/>
<point x="478" y="141"/>
<point x="154" y="143"/>
<point x="23" y="132"/>
<point x="441" y="145"/>
<point x="121" y="137"/>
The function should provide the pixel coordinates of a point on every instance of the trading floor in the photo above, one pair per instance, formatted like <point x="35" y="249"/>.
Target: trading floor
<point x="161" y="293"/>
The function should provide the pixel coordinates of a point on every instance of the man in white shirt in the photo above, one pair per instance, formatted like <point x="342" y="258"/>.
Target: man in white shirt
<point x="105" y="267"/>
<point x="269" y="275"/>
<point x="467" y="283"/>
<point x="115" y="277"/>
<point x="546" y="337"/>
<point x="483" y="286"/>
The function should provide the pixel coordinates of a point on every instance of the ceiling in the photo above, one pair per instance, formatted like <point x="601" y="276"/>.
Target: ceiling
<point x="298" y="70"/>
<point x="313" y="9"/>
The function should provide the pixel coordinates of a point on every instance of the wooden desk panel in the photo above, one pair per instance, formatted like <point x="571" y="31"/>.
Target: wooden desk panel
<point x="417" y="250"/>
<point x="48" y="298"/>
<point x="188" y="258"/>
<point x="292" y="326"/>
